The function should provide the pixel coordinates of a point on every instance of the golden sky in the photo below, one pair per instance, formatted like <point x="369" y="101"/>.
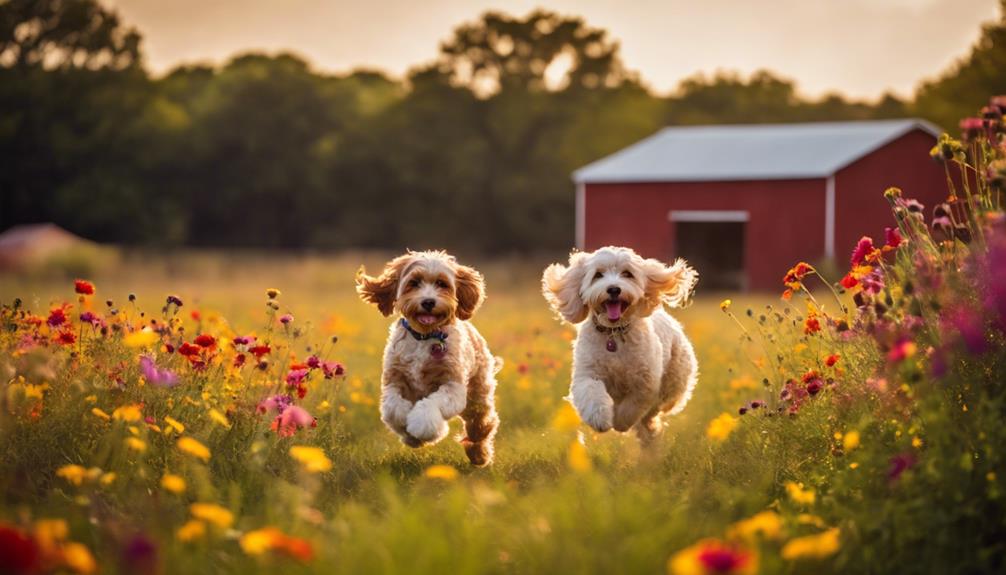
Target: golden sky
<point x="858" y="47"/>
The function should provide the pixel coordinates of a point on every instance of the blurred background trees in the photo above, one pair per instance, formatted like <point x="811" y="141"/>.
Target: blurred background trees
<point x="471" y="152"/>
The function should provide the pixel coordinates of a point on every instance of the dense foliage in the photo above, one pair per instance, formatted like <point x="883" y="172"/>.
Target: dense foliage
<point x="481" y="139"/>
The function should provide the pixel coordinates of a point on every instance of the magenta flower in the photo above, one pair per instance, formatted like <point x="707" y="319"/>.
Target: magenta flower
<point x="971" y="326"/>
<point x="332" y="369"/>
<point x="893" y="237"/>
<point x="276" y="403"/>
<point x="285" y="319"/>
<point x="161" y="377"/>
<point x="295" y="377"/>
<point x="899" y="464"/>
<point x="291" y="420"/>
<point x="864" y="247"/>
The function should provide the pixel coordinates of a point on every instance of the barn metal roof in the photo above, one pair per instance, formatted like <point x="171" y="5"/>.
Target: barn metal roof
<point x="747" y="152"/>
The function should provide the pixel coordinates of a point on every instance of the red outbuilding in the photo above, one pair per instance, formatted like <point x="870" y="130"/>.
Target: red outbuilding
<point x="744" y="203"/>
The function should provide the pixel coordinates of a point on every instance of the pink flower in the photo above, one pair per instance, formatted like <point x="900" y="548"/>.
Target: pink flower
<point x="295" y="377"/>
<point x="331" y="369"/>
<point x="903" y="349"/>
<point x="285" y="319"/>
<point x="276" y="403"/>
<point x="893" y="237"/>
<point x="971" y="326"/>
<point x="291" y="420"/>
<point x="864" y="249"/>
<point x="162" y="377"/>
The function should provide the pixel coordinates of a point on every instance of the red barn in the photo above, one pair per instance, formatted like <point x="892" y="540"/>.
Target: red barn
<point x="744" y="203"/>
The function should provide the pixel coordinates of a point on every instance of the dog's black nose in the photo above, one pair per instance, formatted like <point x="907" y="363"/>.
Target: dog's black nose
<point x="429" y="304"/>
<point x="613" y="291"/>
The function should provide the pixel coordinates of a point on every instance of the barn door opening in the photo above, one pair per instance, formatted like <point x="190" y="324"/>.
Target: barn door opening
<point x="713" y="243"/>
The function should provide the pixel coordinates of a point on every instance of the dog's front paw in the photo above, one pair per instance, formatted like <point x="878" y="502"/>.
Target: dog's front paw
<point x="599" y="416"/>
<point x="425" y="423"/>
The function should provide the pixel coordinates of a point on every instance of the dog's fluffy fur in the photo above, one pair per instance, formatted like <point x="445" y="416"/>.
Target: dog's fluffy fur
<point x="653" y="369"/>
<point x="421" y="392"/>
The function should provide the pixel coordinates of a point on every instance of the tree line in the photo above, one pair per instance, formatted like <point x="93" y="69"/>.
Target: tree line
<point x="472" y="151"/>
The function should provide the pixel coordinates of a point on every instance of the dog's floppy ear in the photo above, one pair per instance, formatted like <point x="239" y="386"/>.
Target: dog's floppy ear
<point x="383" y="289"/>
<point x="671" y="285"/>
<point x="470" y="290"/>
<point x="561" y="287"/>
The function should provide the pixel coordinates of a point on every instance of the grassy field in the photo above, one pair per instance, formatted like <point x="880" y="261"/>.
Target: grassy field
<point x="559" y="498"/>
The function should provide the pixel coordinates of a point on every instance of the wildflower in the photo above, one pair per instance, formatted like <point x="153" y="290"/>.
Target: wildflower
<point x="273" y="293"/>
<point x="191" y="531"/>
<point x="767" y="524"/>
<point x="259" y="350"/>
<point x="142" y="338"/>
<point x="66" y="338"/>
<point x="817" y="546"/>
<point x="565" y="419"/>
<point x="445" y="472"/>
<point x="725" y="305"/>
<point x="864" y="251"/>
<point x="971" y="128"/>
<point x="291" y="420"/>
<point x="108" y="478"/>
<point x="285" y="319"/>
<point x="89" y="317"/>
<point x="129" y="413"/>
<point x="712" y="556"/>
<point x="136" y="444"/>
<point x="899" y="464"/>
<point x="892" y="238"/>
<point x="266" y="539"/>
<point x="793" y="280"/>
<point x="721" y="427"/>
<point x="194" y="448"/>
<point x="295" y="377"/>
<point x="173" y="483"/>
<point x="83" y="287"/>
<point x="78" y="558"/>
<point x="332" y="369"/>
<point x="97" y="411"/>
<point x="174" y="423"/>
<point x="313" y="459"/>
<point x="173" y="300"/>
<point x="74" y="474"/>
<point x="188" y="350"/>
<point x="850" y="440"/>
<point x="903" y="349"/>
<point x="971" y="327"/>
<point x="57" y="316"/>
<point x="577" y="457"/>
<point x="139" y="555"/>
<point x="275" y="403"/>
<point x="153" y="374"/>
<point x="205" y="340"/>
<point x="212" y="513"/>
<point x="800" y="495"/>
<point x="848" y="281"/>
<point x="811" y="325"/>
<point x="19" y="551"/>
<point x="219" y="418"/>
<point x="831" y="360"/>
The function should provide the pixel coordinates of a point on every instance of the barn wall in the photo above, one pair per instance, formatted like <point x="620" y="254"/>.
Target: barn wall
<point x="786" y="220"/>
<point x="860" y="207"/>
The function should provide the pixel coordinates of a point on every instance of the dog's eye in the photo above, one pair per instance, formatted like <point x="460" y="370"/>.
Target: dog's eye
<point x="413" y="283"/>
<point x="441" y="284"/>
<point x="598" y="275"/>
<point x="627" y="274"/>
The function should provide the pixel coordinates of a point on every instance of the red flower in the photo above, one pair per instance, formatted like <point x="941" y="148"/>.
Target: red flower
<point x="57" y="316"/>
<point x="864" y="251"/>
<point x="831" y="360"/>
<point x="259" y="350"/>
<point x="893" y="237"/>
<point x="849" y="281"/>
<point x="239" y="360"/>
<point x="83" y="287"/>
<point x="809" y="376"/>
<point x="66" y="338"/>
<point x="188" y="350"/>
<point x="205" y="340"/>
<point x="19" y="553"/>
<point x="811" y="325"/>
<point x="194" y="314"/>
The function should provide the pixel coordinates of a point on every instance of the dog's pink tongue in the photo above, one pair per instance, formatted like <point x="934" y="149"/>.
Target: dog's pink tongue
<point x="614" y="310"/>
<point x="427" y="319"/>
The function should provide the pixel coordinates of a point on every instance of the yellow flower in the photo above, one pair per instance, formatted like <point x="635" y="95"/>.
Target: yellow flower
<point x="767" y="524"/>
<point x="725" y="304"/>
<point x="219" y="418"/>
<point x="916" y="442"/>
<point x="174" y="423"/>
<point x="273" y="293"/>
<point x="136" y="444"/>
<point x="100" y="413"/>
<point x="142" y="338"/>
<point x="50" y="532"/>
<point x="566" y="419"/>
<point x="445" y="472"/>
<point x="312" y="458"/>
<point x="194" y="448"/>
<point x="78" y="558"/>
<point x="731" y="559"/>
<point x="721" y="427"/>
<point x="212" y="513"/>
<point x="800" y="495"/>
<point x="191" y="531"/>
<point x="813" y="546"/>
<point x="259" y="541"/>
<point x="809" y="519"/>
<point x="127" y="413"/>
<point x="173" y="483"/>
<point x="850" y="440"/>
<point x="108" y="478"/>
<point x="74" y="474"/>
<point x="577" y="457"/>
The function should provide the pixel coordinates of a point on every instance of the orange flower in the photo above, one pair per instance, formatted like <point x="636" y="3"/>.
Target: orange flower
<point x="793" y="280"/>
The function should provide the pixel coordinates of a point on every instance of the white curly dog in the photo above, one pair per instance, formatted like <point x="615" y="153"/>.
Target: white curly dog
<point x="631" y="360"/>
